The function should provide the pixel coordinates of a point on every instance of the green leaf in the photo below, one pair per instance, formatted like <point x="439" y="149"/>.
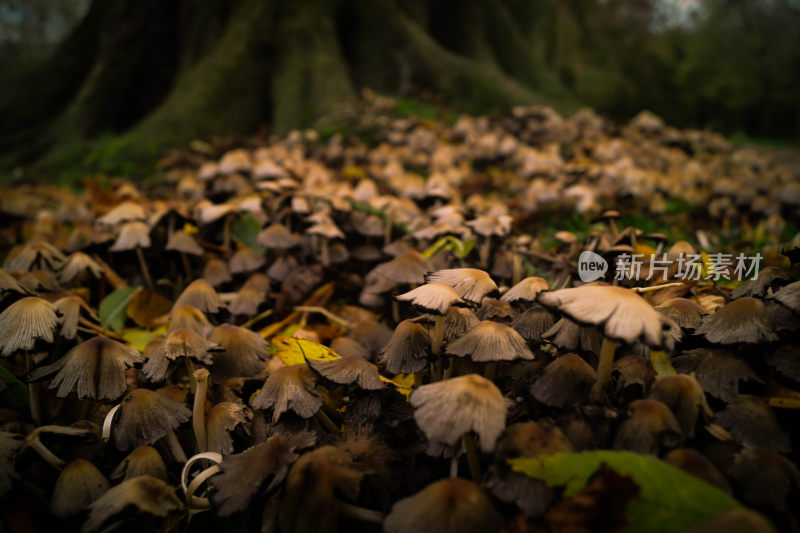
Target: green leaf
<point x="139" y="338"/>
<point x="113" y="308"/>
<point x="669" y="500"/>
<point x="16" y="392"/>
<point x="246" y="231"/>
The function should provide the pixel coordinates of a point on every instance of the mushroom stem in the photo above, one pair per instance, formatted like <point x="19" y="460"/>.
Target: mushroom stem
<point x="387" y="229"/>
<point x="190" y="368"/>
<point x="395" y="311"/>
<point x="454" y="466"/>
<point x="661" y="363"/>
<point x="657" y="287"/>
<point x="490" y="370"/>
<point x="468" y="442"/>
<point x="484" y="250"/>
<point x="327" y="422"/>
<point x="436" y="346"/>
<point x="226" y="231"/>
<point x="187" y="268"/>
<point x="49" y="457"/>
<point x="33" y="393"/>
<point x="199" y="410"/>
<point x="148" y="281"/>
<point x="174" y="447"/>
<point x="603" y="369"/>
<point x="516" y="269"/>
<point x="360" y="513"/>
<point x="324" y="253"/>
<point x="324" y="312"/>
<point x="256" y="318"/>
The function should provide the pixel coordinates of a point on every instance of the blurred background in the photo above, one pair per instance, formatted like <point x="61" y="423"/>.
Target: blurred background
<point x="112" y="85"/>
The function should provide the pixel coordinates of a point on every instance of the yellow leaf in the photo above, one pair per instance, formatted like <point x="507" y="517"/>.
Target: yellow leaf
<point x="292" y="351"/>
<point x="138" y="338"/>
<point x="645" y="250"/>
<point x="707" y="267"/>
<point x="190" y="229"/>
<point x="354" y="172"/>
<point x="403" y="382"/>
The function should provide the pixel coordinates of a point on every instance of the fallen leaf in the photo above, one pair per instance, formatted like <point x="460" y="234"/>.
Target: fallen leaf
<point x="147" y="306"/>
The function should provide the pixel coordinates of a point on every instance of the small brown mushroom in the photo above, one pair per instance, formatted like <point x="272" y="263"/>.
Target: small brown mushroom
<point x="78" y="485"/>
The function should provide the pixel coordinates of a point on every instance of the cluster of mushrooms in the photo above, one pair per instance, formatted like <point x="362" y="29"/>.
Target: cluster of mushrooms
<point x="175" y="408"/>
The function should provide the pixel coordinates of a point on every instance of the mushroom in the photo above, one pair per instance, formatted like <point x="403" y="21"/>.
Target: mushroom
<point x="244" y="352"/>
<point x="408" y="349"/>
<point x="70" y="307"/>
<point x="752" y="423"/>
<point x="470" y="284"/>
<point x="290" y="387"/>
<point x="325" y="231"/>
<point x="693" y="462"/>
<point x="348" y="370"/>
<point x="144" y="494"/>
<point x="216" y="272"/>
<point x="448" y="506"/>
<point x="448" y="410"/>
<point x="183" y="243"/>
<point x="189" y="317"/>
<point x="565" y="382"/>
<point x="94" y="369"/>
<point x="180" y="343"/>
<point x="142" y="461"/>
<point x="524" y="293"/>
<point x="221" y="420"/>
<point x="533" y="323"/>
<point x="78" y="485"/>
<point x="490" y="342"/>
<point x="79" y="266"/>
<point x="685" y="398"/>
<point x="718" y="371"/>
<point x="245" y="260"/>
<point x="200" y="295"/>
<point x="145" y="416"/>
<point x="649" y="428"/>
<point x="684" y="312"/>
<point x="741" y="321"/>
<point x="622" y="314"/>
<point x="135" y="235"/>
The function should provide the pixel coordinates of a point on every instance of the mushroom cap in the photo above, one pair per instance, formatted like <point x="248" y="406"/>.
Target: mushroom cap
<point x="622" y="314"/>
<point x="216" y="272"/>
<point x="458" y="321"/>
<point x="490" y="225"/>
<point x="200" y="295"/>
<point x="178" y="343"/>
<point x="753" y="423"/>
<point x="124" y="212"/>
<point x="142" y="461"/>
<point x="93" y="369"/>
<point x="433" y="297"/>
<point x="132" y="235"/>
<point x="789" y="296"/>
<point x="408" y="349"/>
<point x="244" y="355"/>
<point x="770" y="277"/>
<point x="246" y="259"/>
<point x="470" y="284"/>
<point x="78" y="263"/>
<point x="35" y="254"/>
<point x="242" y="475"/>
<point x="348" y="370"/>
<point x="408" y="267"/>
<point x="189" y="317"/>
<point x="145" y="416"/>
<point x="220" y="421"/>
<point x="246" y="302"/>
<point x="564" y="382"/>
<point x="685" y="398"/>
<point x="345" y="346"/>
<point x="718" y="371"/>
<point x="69" y="307"/>
<point x="684" y="312"/>
<point x="649" y="428"/>
<point x="326" y="229"/>
<point x="290" y="387"/>
<point x="146" y="494"/>
<point x="78" y="485"/>
<point x="447" y="506"/>
<point x="693" y="462"/>
<point x="526" y="290"/>
<point x="180" y="241"/>
<point x="24" y="322"/>
<point x="491" y="341"/>
<point x="276" y="236"/>
<point x="765" y="479"/>
<point x="532" y="324"/>
<point x="448" y="409"/>
<point x="532" y="439"/>
<point x="744" y="320"/>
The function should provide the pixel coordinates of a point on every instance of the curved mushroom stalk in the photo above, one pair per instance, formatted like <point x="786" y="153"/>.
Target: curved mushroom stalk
<point x="199" y="409"/>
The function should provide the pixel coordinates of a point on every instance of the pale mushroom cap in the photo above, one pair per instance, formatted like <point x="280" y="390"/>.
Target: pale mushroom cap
<point x="178" y="343"/>
<point x="76" y="264"/>
<point x="407" y="350"/>
<point x="246" y="302"/>
<point x="408" y="267"/>
<point x="180" y="241"/>
<point x="276" y="236"/>
<point x="685" y="398"/>
<point x="216" y="272"/>
<point x="291" y="387"/>
<point x="34" y="254"/>
<point x="246" y="259"/>
<point x="148" y="494"/>
<point x="743" y="320"/>
<point x="94" y="369"/>
<point x="433" y="297"/>
<point x="328" y="229"/>
<point x="491" y="341"/>
<point x="201" y="295"/>
<point x="348" y="370"/>
<point x="649" y="426"/>
<point x="448" y="409"/>
<point x="686" y="313"/>
<point x="124" y="212"/>
<point x="145" y="416"/>
<point x="564" y="382"/>
<point x="470" y="284"/>
<point x="622" y="314"/>
<point x="132" y="235"/>
<point x="446" y="506"/>
<point x="79" y="484"/>
<point x="24" y="322"/>
<point x="789" y="296"/>
<point x="190" y="317"/>
<point x="526" y="290"/>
